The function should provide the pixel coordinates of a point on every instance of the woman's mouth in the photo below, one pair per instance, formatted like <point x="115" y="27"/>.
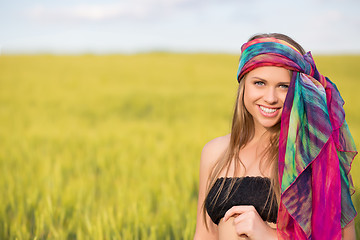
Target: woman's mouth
<point x="268" y="112"/>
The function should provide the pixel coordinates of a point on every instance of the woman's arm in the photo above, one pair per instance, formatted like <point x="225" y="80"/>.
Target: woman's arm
<point x="209" y="156"/>
<point x="348" y="232"/>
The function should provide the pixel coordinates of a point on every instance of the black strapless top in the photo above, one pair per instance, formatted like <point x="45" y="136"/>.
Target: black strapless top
<point x="246" y="191"/>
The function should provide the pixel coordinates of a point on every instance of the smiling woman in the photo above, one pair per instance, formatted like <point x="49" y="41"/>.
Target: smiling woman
<point x="288" y="156"/>
<point x="264" y="95"/>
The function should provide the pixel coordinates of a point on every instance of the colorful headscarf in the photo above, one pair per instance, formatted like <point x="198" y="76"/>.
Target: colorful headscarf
<point x="316" y="148"/>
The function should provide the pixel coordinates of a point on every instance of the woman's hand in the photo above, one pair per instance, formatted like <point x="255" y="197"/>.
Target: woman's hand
<point x="248" y="223"/>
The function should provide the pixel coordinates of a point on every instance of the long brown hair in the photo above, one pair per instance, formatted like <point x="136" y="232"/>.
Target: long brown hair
<point x="242" y="131"/>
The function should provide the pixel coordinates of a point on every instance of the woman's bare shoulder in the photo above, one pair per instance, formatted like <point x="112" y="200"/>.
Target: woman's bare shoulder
<point x="217" y="144"/>
<point x="213" y="149"/>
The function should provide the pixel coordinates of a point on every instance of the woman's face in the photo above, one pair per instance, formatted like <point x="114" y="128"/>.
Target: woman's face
<point x="264" y="94"/>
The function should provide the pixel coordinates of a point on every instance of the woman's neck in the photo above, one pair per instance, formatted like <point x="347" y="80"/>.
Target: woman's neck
<point x="263" y="134"/>
<point x="260" y="136"/>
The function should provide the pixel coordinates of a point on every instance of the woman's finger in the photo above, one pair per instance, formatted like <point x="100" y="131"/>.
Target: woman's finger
<point x="232" y="211"/>
<point x="237" y="210"/>
<point x="242" y="225"/>
<point x="241" y="218"/>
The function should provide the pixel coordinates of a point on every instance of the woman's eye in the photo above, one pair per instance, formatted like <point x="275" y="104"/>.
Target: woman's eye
<point x="259" y="83"/>
<point x="284" y="86"/>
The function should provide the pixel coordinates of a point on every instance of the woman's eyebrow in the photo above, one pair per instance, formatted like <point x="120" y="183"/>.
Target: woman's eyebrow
<point x="262" y="79"/>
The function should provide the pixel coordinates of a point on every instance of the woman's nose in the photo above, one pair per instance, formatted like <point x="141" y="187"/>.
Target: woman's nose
<point x="271" y="96"/>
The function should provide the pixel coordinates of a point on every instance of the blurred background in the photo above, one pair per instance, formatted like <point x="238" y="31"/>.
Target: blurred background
<point x="105" y="106"/>
<point x="94" y="26"/>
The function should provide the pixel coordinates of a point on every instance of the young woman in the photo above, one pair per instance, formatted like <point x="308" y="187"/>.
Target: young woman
<point x="283" y="171"/>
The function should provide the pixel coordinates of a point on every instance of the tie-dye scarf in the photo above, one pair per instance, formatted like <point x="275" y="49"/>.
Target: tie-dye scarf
<point x="315" y="146"/>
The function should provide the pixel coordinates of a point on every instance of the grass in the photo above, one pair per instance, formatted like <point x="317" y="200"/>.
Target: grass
<point x="108" y="147"/>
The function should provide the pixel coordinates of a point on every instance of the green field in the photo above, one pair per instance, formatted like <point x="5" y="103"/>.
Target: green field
<point x="108" y="147"/>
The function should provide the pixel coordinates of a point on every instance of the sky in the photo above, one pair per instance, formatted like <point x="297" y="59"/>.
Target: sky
<point x="133" y="26"/>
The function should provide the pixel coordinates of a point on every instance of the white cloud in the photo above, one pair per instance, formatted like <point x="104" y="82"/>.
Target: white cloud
<point x="327" y="18"/>
<point x="86" y="12"/>
<point x="135" y="9"/>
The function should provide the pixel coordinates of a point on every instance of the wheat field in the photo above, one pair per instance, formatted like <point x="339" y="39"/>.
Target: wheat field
<point x="108" y="146"/>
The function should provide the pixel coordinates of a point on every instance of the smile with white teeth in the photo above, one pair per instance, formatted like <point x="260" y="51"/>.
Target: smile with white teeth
<point x="268" y="110"/>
